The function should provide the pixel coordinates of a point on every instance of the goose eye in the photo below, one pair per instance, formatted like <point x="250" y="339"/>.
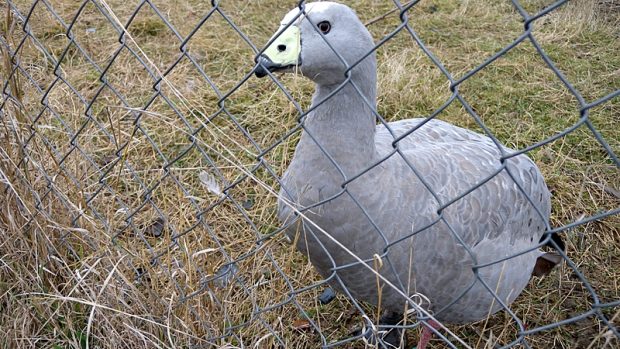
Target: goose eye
<point x="324" y="27"/>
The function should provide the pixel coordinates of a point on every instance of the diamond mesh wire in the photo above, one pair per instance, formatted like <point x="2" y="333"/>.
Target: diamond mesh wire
<point x="148" y="195"/>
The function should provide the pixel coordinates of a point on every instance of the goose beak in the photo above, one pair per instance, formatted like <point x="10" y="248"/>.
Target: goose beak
<point x="283" y="53"/>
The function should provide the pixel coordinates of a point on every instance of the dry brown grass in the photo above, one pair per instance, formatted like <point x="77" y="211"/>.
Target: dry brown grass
<point x="77" y="273"/>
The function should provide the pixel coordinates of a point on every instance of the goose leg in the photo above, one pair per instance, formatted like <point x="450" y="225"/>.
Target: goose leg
<point x="393" y="337"/>
<point x="427" y="334"/>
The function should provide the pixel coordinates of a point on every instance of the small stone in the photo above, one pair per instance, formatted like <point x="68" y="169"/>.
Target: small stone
<point x="247" y="204"/>
<point x="327" y="296"/>
<point x="156" y="228"/>
<point x="225" y="275"/>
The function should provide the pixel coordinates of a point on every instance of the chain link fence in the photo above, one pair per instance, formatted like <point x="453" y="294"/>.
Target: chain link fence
<point x="141" y="162"/>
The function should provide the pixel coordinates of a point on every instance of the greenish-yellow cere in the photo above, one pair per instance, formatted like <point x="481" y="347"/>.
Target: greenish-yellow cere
<point x="290" y="39"/>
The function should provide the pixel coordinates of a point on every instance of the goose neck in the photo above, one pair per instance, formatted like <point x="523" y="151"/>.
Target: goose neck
<point x="343" y="125"/>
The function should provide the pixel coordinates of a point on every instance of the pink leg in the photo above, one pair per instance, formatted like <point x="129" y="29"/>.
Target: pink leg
<point x="427" y="334"/>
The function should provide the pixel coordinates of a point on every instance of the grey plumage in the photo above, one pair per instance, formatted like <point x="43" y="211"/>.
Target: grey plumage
<point x="495" y="221"/>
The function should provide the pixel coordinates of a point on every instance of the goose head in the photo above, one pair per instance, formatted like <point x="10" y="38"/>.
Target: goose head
<point x="321" y="41"/>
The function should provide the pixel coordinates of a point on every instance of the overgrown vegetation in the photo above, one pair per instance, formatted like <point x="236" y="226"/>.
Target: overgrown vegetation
<point x="80" y="272"/>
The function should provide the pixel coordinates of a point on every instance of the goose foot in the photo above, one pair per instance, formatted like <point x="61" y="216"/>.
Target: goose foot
<point x="427" y="334"/>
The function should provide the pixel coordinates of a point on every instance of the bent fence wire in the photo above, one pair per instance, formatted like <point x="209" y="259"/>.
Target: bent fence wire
<point x="150" y="212"/>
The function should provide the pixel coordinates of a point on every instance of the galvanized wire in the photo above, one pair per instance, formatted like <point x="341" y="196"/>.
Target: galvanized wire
<point x="21" y="166"/>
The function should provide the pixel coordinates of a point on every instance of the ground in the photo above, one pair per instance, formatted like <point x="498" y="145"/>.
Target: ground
<point x="110" y="237"/>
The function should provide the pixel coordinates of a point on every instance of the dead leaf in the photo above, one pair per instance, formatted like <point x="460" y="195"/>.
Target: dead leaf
<point x="207" y="250"/>
<point x="301" y="324"/>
